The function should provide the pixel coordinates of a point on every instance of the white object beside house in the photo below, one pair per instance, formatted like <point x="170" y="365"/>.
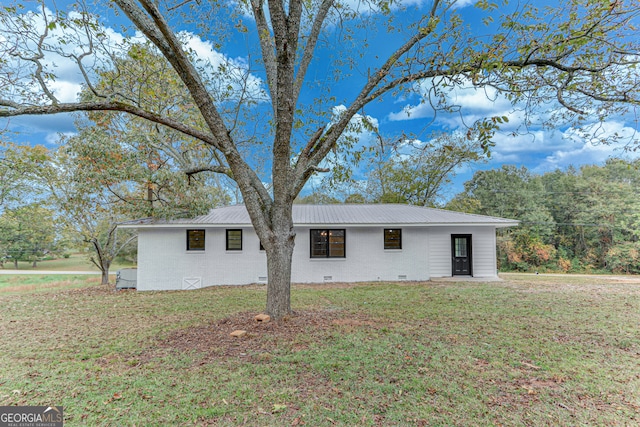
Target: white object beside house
<point x="334" y="243"/>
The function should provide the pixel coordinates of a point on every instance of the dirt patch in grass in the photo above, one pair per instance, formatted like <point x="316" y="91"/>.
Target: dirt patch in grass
<point x="295" y="332"/>
<point x="526" y="389"/>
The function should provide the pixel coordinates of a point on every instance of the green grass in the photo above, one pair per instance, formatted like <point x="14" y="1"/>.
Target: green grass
<point x="22" y="284"/>
<point x="75" y="262"/>
<point x="527" y="351"/>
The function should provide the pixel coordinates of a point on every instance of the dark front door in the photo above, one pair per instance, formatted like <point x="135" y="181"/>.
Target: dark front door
<point x="461" y="254"/>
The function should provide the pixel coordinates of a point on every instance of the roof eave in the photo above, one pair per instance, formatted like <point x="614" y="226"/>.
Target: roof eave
<point x="332" y="224"/>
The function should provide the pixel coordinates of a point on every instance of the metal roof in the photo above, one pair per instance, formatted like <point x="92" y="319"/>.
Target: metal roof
<point x="353" y="215"/>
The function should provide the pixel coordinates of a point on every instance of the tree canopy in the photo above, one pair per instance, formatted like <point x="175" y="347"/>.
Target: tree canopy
<point x="418" y="172"/>
<point x="113" y="171"/>
<point x="575" y="220"/>
<point x="16" y="163"/>
<point x="574" y="60"/>
<point x="27" y="233"/>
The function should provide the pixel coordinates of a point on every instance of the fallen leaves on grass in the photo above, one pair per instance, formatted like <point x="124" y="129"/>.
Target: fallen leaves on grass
<point x="261" y="338"/>
<point x="116" y="396"/>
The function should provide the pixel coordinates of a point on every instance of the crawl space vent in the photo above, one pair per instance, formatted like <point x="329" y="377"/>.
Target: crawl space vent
<point x="189" y="283"/>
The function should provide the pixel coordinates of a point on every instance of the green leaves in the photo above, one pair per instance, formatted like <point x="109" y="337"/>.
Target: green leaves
<point x="486" y="5"/>
<point x="484" y="130"/>
<point x="571" y="220"/>
<point x="27" y="233"/>
<point x="419" y="172"/>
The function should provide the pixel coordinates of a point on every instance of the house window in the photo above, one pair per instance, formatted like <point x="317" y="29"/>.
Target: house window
<point x="234" y="240"/>
<point x="393" y="238"/>
<point x="195" y="240"/>
<point x="328" y="244"/>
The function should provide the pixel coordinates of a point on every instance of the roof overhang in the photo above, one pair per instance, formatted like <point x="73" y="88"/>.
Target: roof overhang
<point x="185" y="225"/>
<point x="352" y="216"/>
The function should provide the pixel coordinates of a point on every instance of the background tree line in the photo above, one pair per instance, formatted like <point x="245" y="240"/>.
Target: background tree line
<point x="72" y="197"/>
<point x="577" y="220"/>
<point x="583" y="219"/>
<point x="573" y="220"/>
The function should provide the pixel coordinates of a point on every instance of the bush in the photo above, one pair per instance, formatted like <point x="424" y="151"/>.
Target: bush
<point x="564" y="264"/>
<point x="624" y="258"/>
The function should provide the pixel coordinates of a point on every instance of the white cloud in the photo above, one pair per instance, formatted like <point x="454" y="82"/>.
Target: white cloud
<point x="357" y="121"/>
<point x="542" y="151"/>
<point x="412" y="112"/>
<point x="203" y="49"/>
<point x="463" y="95"/>
<point x="579" y="155"/>
<point x="600" y="133"/>
<point x="66" y="91"/>
<point x="59" y="48"/>
<point x="509" y="148"/>
<point x="225" y="72"/>
<point x="577" y="150"/>
<point x="68" y="77"/>
<point x="463" y="3"/>
<point x="523" y="139"/>
<point x="69" y="81"/>
<point x="360" y="128"/>
<point x="54" y="138"/>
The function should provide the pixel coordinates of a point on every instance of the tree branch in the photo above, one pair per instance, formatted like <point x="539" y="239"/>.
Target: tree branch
<point x="206" y="168"/>
<point x="334" y="132"/>
<point x="312" y="41"/>
<point x="266" y="45"/>
<point x="20" y="110"/>
<point x="157" y="29"/>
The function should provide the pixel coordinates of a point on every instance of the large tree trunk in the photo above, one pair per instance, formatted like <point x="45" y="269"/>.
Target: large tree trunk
<point x="279" y="285"/>
<point x="279" y="251"/>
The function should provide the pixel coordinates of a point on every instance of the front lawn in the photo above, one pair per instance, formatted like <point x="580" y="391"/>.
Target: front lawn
<point x="26" y="283"/>
<point x="73" y="262"/>
<point x="528" y="351"/>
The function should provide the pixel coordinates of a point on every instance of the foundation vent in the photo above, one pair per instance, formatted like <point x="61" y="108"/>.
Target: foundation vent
<point x="189" y="283"/>
<point x="402" y="277"/>
<point x="328" y="278"/>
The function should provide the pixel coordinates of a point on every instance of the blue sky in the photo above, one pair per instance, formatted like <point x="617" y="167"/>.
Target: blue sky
<point x="540" y="150"/>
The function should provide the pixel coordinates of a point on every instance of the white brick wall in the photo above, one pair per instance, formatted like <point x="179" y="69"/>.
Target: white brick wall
<point x="366" y="259"/>
<point x="164" y="262"/>
<point x="483" y="241"/>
